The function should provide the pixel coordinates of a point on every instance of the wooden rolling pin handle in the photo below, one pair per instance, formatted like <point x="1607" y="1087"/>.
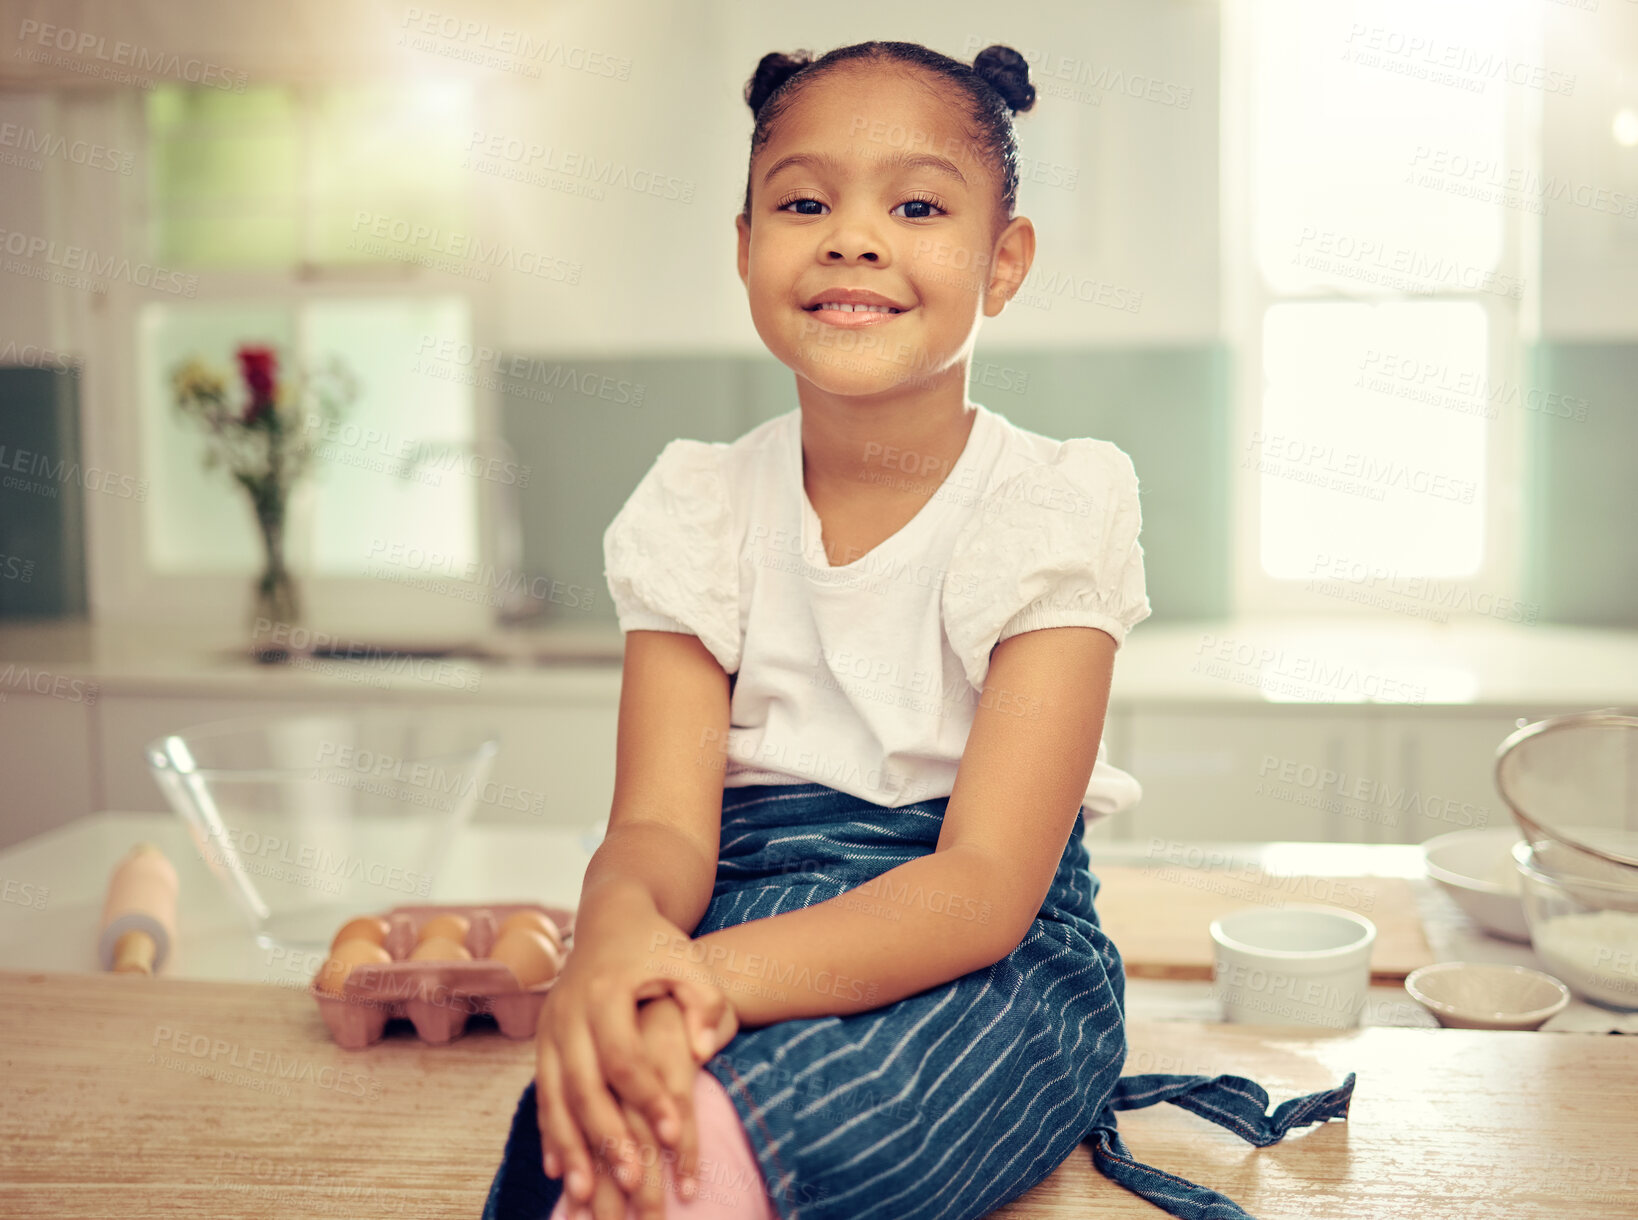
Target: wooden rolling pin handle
<point x="134" y="954"/>
<point x="139" y="913"/>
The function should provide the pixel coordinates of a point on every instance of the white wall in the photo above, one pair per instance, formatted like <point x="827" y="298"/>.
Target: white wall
<point x="1141" y="217"/>
<point x="1589" y="232"/>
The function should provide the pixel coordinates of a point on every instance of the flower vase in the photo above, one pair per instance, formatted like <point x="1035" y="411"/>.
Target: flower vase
<point x="276" y="601"/>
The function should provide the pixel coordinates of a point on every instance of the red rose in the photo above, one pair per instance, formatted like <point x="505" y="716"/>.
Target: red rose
<point x="260" y="368"/>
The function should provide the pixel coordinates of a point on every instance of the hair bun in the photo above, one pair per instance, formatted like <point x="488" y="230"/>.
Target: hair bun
<point x="773" y="71"/>
<point x="1007" y="72"/>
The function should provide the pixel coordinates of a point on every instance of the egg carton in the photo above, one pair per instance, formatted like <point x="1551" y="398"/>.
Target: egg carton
<point x="438" y="998"/>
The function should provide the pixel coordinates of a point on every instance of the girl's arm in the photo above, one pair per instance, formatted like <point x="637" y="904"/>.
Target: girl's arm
<point x="651" y="877"/>
<point x="666" y="819"/>
<point x="969" y="903"/>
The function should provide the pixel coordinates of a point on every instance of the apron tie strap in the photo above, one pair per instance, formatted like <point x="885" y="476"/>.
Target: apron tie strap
<point x="1232" y="1102"/>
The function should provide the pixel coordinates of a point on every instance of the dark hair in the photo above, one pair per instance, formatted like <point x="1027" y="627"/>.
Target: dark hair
<point x="994" y="88"/>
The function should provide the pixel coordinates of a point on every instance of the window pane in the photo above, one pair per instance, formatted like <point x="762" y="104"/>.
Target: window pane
<point x="226" y="176"/>
<point x="197" y="520"/>
<point x="397" y="468"/>
<point x="1370" y="122"/>
<point x="366" y="483"/>
<point x="1372" y="446"/>
<point x="277" y="175"/>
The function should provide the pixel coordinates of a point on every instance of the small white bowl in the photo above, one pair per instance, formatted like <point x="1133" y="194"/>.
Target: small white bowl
<point x="1303" y="964"/>
<point x="1480" y="995"/>
<point x="1470" y="865"/>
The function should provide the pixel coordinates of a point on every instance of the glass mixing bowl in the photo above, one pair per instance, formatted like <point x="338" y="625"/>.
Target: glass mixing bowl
<point x="310" y="820"/>
<point x="1583" y="915"/>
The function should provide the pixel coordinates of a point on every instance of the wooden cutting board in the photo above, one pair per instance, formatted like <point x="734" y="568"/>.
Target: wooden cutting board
<point x="129" y="1098"/>
<point x="1159" y="918"/>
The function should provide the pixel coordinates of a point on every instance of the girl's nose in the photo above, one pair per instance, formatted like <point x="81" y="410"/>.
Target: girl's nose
<point x="853" y="239"/>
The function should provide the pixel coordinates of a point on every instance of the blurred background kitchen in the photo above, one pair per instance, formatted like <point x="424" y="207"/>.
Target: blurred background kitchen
<point x="1356" y="285"/>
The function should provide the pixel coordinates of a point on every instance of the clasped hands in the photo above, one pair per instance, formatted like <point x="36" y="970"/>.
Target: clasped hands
<point x="622" y="1035"/>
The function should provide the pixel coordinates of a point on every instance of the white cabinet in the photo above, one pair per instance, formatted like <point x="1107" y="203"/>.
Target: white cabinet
<point x="1375" y="774"/>
<point x="1116" y="732"/>
<point x="1443" y="766"/>
<point x="1230" y="770"/>
<point x="47" y="772"/>
<point x="1250" y="772"/>
<point x="555" y="766"/>
<point x="130" y="722"/>
<point x="556" y="762"/>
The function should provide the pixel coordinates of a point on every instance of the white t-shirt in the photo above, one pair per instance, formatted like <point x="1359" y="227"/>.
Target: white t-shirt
<point x="866" y="677"/>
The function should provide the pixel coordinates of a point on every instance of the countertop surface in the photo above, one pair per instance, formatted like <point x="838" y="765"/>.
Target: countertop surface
<point x="129" y="1097"/>
<point x="1483" y="663"/>
<point x="53" y="887"/>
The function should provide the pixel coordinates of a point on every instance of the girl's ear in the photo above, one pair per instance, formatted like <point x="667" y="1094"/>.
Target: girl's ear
<point x="743" y="228"/>
<point x="1014" y="254"/>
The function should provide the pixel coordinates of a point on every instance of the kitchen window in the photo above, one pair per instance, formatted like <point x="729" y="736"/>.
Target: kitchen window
<point x="277" y="200"/>
<point x="1377" y="306"/>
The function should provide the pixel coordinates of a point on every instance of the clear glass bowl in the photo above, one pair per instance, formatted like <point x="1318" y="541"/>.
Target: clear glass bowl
<point x="1583" y="916"/>
<point x="310" y="820"/>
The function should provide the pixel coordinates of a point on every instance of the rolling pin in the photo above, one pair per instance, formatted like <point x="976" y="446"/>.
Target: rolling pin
<point x="139" y="915"/>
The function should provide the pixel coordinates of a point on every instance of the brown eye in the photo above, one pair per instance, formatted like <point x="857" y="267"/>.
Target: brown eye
<point x="790" y="203"/>
<point x="917" y="202"/>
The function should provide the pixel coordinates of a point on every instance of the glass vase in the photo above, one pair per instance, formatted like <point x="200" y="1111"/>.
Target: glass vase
<point x="276" y="602"/>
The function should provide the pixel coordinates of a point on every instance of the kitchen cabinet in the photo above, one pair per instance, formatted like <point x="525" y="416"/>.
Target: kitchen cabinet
<point x="1440" y="770"/>
<point x="555" y="766"/>
<point x="1445" y="759"/>
<point x="1249" y="772"/>
<point x="1217" y="760"/>
<point x="1116" y="734"/>
<point x="1377" y="774"/>
<point x="47" y="768"/>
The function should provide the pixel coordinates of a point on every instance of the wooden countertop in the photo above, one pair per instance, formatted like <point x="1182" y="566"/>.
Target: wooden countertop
<point x="131" y="1097"/>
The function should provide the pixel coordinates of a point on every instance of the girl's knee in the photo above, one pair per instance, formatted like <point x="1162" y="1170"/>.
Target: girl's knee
<point x="730" y="1180"/>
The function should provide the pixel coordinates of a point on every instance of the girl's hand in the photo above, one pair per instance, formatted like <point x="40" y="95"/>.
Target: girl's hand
<point x="665" y="1036"/>
<point x="587" y="1040"/>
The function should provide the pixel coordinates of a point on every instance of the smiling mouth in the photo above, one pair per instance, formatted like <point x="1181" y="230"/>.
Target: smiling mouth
<point x="841" y="308"/>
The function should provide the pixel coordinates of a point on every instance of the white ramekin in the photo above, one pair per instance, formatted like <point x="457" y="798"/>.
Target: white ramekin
<point x="1292" y="965"/>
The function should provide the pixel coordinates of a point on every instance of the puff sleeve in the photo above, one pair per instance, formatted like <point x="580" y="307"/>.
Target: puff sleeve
<point x="1052" y="546"/>
<point x="670" y="557"/>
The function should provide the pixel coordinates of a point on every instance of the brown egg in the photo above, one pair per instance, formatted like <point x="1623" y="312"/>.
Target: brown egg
<point x="449" y="924"/>
<point x="538" y="920"/>
<point x="440" y="949"/>
<point x="365" y="927"/>
<point x="530" y="956"/>
<point x="350" y="953"/>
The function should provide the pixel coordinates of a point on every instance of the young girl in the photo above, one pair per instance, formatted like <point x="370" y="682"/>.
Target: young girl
<point x="868" y="655"/>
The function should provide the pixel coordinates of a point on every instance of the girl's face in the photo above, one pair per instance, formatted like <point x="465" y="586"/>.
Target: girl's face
<point x="871" y="183"/>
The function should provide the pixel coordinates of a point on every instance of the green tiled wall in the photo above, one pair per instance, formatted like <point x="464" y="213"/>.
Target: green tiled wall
<point x="42" y="513"/>
<point x="1581" y="484"/>
<point x="1166" y="407"/>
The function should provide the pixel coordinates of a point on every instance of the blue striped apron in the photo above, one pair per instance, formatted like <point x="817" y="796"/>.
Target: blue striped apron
<point x="945" y="1104"/>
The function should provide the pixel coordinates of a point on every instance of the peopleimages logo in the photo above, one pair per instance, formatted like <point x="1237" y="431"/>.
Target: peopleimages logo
<point x="424" y="777"/>
<point x="309" y="863"/>
<point x="88" y="45"/>
<point x="96" y="268"/>
<point x="31" y="465"/>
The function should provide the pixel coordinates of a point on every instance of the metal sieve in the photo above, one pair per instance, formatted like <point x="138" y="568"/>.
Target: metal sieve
<point x="1578" y="769"/>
